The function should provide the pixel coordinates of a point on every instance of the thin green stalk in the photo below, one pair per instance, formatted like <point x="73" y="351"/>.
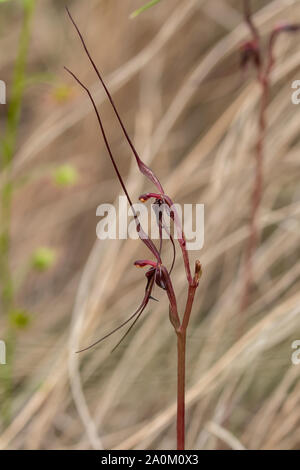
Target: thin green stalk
<point x="8" y="147"/>
<point x="144" y="8"/>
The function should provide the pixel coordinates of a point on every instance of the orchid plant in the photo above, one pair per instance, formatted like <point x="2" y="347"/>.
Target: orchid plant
<point x="263" y="60"/>
<point x="157" y="273"/>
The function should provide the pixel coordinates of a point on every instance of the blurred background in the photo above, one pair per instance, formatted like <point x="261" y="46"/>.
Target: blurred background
<point x="175" y="75"/>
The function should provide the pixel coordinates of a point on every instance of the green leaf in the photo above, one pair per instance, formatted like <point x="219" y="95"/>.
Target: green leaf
<point x="144" y="8"/>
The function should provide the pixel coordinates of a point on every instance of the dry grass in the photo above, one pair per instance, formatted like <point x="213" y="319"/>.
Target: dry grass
<point x="174" y="74"/>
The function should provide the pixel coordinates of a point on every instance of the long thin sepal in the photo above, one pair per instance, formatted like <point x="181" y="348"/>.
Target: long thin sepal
<point x="145" y="170"/>
<point x="138" y="312"/>
<point x="143" y="236"/>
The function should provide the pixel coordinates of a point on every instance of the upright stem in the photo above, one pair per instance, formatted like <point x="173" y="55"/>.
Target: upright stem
<point x="257" y="192"/>
<point x="181" y="354"/>
<point x="181" y="348"/>
<point x="7" y="150"/>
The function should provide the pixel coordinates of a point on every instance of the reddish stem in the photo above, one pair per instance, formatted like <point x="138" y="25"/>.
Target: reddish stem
<point x="181" y="354"/>
<point x="257" y="191"/>
<point x="181" y="348"/>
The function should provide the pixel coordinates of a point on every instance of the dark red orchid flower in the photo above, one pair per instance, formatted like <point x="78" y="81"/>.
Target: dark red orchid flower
<point x="251" y="51"/>
<point x="157" y="273"/>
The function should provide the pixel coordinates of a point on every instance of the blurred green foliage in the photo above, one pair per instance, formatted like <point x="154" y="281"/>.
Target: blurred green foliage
<point x="43" y="258"/>
<point x="65" y="175"/>
<point x="19" y="319"/>
<point x="15" y="319"/>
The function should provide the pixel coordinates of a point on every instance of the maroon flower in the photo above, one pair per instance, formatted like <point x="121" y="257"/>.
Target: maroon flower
<point x="157" y="274"/>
